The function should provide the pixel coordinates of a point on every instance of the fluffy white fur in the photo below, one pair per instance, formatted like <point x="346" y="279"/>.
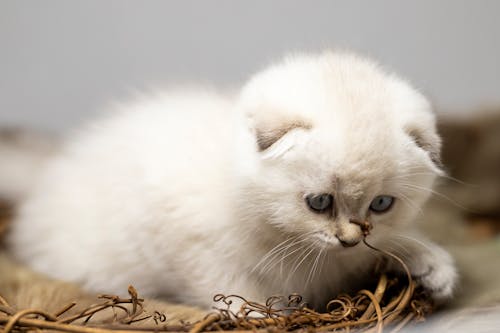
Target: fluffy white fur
<point x="188" y="194"/>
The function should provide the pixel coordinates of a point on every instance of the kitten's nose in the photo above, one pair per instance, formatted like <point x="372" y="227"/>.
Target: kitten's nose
<point x="350" y="233"/>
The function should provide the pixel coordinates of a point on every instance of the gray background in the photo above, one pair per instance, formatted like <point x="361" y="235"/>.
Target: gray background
<point x="62" y="61"/>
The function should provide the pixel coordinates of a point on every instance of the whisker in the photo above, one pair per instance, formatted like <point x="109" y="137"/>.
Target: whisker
<point x="418" y="241"/>
<point x="281" y="247"/>
<point x="397" y="247"/>
<point x="285" y="255"/>
<point x="441" y="195"/>
<point x="275" y="260"/>
<point x="410" y="203"/>
<point x="445" y="176"/>
<point x="313" y="268"/>
<point x="310" y="249"/>
<point x="317" y="268"/>
<point x="272" y="251"/>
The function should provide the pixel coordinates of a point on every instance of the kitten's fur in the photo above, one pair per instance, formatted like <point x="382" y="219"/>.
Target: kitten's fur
<point x="189" y="194"/>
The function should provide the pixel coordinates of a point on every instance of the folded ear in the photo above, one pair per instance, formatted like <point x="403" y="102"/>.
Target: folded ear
<point x="268" y="133"/>
<point x="428" y="140"/>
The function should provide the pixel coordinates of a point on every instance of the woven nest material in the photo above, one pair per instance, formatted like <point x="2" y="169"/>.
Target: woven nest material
<point x="393" y="303"/>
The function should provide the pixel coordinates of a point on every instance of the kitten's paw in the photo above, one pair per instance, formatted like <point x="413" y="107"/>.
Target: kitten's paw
<point x="438" y="275"/>
<point x="439" y="281"/>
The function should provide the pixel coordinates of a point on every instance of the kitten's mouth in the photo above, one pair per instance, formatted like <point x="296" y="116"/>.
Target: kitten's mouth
<point x="349" y="244"/>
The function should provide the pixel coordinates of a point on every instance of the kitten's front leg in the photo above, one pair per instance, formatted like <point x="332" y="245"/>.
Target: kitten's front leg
<point x="429" y="264"/>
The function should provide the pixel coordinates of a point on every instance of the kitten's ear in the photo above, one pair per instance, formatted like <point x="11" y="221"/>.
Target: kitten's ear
<point x="269" y="133"/>
<point x="428" y="140"/>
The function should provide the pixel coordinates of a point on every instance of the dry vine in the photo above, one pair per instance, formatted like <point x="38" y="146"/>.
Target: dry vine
<point x="393" y="303"/>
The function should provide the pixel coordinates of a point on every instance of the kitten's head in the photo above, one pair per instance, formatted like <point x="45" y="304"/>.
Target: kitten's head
<point x="340" y="142"/>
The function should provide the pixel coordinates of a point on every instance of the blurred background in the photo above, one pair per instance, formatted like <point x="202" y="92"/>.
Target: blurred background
<point x="61" y="61"/>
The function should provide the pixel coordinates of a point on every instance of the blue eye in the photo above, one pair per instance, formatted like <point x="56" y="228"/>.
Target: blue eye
<point x="382" y="203"/>
<point x="319" y="203"/>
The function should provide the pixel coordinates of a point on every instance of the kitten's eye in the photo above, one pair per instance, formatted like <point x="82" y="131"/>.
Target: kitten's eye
<point x="382" y="203"/>
<point x="319" y="203"/>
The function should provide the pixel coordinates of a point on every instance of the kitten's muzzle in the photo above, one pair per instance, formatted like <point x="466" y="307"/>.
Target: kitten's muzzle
<point x="350" y="234"/>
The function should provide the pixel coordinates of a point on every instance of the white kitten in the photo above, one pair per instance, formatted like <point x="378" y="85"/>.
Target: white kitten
<point x="185" y="195"/>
